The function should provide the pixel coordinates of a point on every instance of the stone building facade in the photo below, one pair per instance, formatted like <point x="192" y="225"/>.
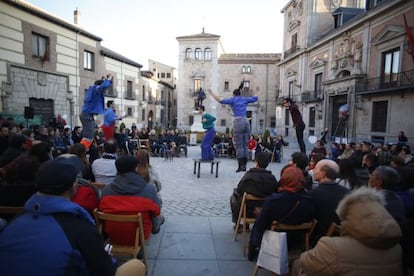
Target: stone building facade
<point x="348" y="53"/>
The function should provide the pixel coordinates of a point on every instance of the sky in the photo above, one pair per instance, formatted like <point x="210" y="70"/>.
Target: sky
<point x="147" y="29"/>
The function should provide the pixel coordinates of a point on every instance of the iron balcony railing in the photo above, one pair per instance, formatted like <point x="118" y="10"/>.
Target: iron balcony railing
<point x="312" y="96"/>
<point x="388" y="82"/>
<point x="290" y="51"/>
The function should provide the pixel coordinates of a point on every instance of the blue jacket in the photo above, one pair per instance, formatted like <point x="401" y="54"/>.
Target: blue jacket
<point x="239" y="104"/>
<point x="109" y="117"/>
<point x="94" y="102"/>
<point x="53" y="237"/>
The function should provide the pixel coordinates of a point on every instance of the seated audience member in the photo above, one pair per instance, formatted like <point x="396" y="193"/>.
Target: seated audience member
<point x="80" y="151"/>
<point x="104" y="168"/>
<point x="182" y="144"/>
<point x="129" y="193"/>
<point x="385" y="179"/>
<point x="301" y="161"/>
<point x="44" y="241"/>
<point x="252" y="144"/>
<point x="20" y="175"/>
<point x="367" y="245"/>
<point x="258" y="182"/>
<point x="326" y="196"/>
<point x="146" y="171"/>
<point x="370" y="162"/>
<point x="320" y="148"/>
<point x="291" y="205"/>
<point x="15" y="147"/>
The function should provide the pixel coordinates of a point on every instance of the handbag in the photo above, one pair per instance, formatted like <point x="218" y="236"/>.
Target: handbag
<point x="273" y="254"/>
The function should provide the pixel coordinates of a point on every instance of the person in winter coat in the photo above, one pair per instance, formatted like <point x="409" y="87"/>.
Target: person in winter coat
<point x="258" y="182"/>
<point x="367" y="245"/>
<point x="55" y="236"/>
<point x="130" y="194"/>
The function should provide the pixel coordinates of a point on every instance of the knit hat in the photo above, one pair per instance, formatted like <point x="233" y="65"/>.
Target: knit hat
<point x="56" y="176"/>
<point x="292" y="179"/>
<point x="125" y="164"/>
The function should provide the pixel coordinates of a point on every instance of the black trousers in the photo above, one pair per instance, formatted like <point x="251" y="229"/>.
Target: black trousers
<point x="299" y="135"/>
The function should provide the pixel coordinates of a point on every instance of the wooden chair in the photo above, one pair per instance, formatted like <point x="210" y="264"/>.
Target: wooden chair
<point x="333" y="230"/>
<point x="144" y="144"/>
<point x="224" y="150"/>
<point x="11" y="210"/>
<point x="98" y="185"/>
<point x="307" y="229"/>
<point x="243" y="218"/>
<point x="124" y="250"/>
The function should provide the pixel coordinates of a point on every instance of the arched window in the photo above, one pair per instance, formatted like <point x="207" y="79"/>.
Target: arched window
<point x="198" y="54"/>
<point x="188" y="53"/>
<point x="248" y="69"/>
<point x="243" y="69"/>
<point x="207" y="54"/>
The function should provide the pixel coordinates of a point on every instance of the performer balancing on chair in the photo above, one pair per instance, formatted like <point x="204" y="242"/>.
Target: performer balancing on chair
<point x="207" y="121"/>
<point x="93" y="103"/>
<point x="241" y="126"/>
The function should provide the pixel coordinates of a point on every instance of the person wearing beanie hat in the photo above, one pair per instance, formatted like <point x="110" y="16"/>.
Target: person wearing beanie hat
<point x="291" y="205"/>
<point x="129" y="194"/>
<point x="241" y="126"/>
<point x="93" y="103"/>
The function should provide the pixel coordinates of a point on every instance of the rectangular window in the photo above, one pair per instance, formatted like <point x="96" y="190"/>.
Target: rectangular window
<point x="312" y="116"/>
<point x="318" y="85"/>
<point x="143" y="115"/>
<point x="88" y="61"/>
<point x="273" y="121"/>
<point x="226" y="86"/>
<point x="290" y="91"/>
<point x="294" y="41"/>
<point x="223" y="122"/>
<point x="40" y="45"/>
<point x="163" y="75"/>
<point x="391" y="61"/>
<point x="129" y="111"/>
<point x="144" y="97"/>
<point x="190" y="119"/>
<point x="129" y="90"/>
<point x="379" y="116"/>
<point x="168" y="75"/>
<point x="197" y="85"/>
<point x="246" y="88"/>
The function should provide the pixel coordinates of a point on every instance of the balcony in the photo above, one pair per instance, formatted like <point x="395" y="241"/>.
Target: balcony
<point x="386" y="83"/>
<point x="312" y="96"/>
<point x="290" y="51"/>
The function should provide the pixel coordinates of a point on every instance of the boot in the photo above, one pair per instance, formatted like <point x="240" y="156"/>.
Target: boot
<point x="240" y="161"/>
<point x="243" y="164"/>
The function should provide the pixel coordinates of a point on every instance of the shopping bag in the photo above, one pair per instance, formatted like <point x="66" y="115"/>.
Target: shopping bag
<point x="273" y="254"/>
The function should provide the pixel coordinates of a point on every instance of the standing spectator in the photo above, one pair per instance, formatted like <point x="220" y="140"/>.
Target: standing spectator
<point x="368" y="244"/>
<point x="104" y="168"/>
<point x="258" y="182"/>
<point x="4" y="138"/>
<point x="298" y="123"/>
<point x="93" y="104"/>
<point x="207" y="121"/>
<point x="326" y="197"/>
<point x="402" y="139"/>
<point x="241" y="126"/>
<point x="252" y="146"/>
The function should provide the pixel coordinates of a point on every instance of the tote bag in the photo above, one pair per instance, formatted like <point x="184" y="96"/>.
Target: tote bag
<point x="273" y="254"/>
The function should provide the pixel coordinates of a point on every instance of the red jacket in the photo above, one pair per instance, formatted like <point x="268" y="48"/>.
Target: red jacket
<point x="125" y="204"/>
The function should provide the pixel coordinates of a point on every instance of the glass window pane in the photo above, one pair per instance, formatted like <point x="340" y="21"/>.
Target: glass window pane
<point x="35" y="51"/>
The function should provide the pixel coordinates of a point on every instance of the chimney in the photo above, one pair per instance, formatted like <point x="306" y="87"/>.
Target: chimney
<point x="76" y="17"/>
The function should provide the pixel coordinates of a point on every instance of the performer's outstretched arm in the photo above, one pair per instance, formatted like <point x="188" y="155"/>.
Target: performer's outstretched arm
<point x="216" y="97"/>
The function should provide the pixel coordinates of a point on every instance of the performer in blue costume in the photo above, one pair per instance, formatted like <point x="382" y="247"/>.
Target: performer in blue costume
<point x="241" y="126"/>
